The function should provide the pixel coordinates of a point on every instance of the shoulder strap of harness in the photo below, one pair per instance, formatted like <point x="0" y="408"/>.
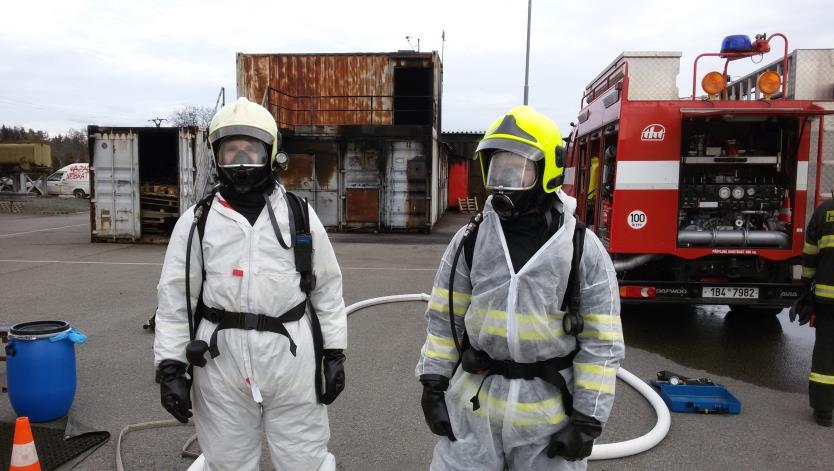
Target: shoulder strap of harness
<point x="303" y="251"/>
<point x="572" y="294"/>
<point x="201" y="212"/>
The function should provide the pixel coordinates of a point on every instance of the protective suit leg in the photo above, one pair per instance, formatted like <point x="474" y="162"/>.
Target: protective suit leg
<point x="296" y="425"/>
<point x="227" y="420"/>
<point x="535" y="457"/>
<point x="822" y="364"/>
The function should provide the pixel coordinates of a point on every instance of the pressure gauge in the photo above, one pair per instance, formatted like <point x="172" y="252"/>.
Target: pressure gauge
<point x="751" y="191"/>
<point x="724" y="192"/>
<point x="738" y="193"/>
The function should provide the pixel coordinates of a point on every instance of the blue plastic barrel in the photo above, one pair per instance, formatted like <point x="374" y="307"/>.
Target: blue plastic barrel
<point x="41" y="369"/>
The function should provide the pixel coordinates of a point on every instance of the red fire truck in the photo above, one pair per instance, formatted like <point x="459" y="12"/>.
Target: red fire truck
<point x="704" y="199"/>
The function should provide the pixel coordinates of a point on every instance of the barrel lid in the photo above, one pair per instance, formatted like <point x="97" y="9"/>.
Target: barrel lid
<point x="38" y="328"/>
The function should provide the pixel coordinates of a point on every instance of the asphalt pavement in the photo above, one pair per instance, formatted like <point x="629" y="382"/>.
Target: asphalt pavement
<point x="50" y="270"/>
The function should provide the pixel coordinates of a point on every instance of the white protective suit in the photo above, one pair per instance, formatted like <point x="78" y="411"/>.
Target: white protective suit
<point x="517" y="317"/>
<point x="253" y="366"/>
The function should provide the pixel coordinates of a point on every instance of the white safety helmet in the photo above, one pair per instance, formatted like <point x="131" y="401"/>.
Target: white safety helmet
<point x="246" y="144"/>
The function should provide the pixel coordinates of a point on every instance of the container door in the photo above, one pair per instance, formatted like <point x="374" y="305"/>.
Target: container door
<point x="186" y="143"/>
<point x="405" y="185"/>
<point x="116" y="201"/>
<point x="315" y="177"/>
<point x="361" y="182"/>
<point x="204" y="174"/>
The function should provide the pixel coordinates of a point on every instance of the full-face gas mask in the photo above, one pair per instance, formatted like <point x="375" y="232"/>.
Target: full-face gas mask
<point x="243" y="162"/>
<point x="514" y="181"/>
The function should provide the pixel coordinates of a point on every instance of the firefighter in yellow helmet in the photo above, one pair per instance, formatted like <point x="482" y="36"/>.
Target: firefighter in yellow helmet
<point x="267" y="352"/>
<point x="524" y="338"/>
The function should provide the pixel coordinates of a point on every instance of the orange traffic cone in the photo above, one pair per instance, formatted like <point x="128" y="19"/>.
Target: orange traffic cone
<point x="24" y="455"/>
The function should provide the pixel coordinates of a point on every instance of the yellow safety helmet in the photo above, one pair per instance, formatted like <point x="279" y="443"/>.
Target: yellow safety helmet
<point x="244" y="118"/>
<point x="527" y="132"/>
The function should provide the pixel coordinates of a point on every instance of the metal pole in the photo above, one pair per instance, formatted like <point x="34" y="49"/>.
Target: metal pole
<point x="527" y="64"/>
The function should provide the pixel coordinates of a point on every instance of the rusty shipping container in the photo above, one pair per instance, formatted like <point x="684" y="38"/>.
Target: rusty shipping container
<point x="361" y="131"/>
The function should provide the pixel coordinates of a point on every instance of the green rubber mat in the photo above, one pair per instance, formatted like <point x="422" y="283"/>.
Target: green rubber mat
<point x="53" y="450"/>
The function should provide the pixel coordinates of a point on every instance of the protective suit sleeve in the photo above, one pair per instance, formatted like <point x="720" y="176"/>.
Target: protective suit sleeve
<point x="439" y="355"/>
<point x="810" y="252"/>
<point x="171" y="332"/>
<point x="601" y="345"/>
<point x="327" y="295"/>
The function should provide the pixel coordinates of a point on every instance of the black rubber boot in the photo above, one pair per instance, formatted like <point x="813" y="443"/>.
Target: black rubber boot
<point x="823" y="418"/>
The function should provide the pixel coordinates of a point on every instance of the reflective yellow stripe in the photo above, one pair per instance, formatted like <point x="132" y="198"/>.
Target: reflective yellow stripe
<point x="595" y="369"/>
<point x="810" y="249"/>
<point x="820" y="378"/>
<point x="609" y="335"/>
<point x="499" y="406"/>
<point x="443" y="308"/>
<point x="547" y="420"/>
<point x="595" y="386"/>
<point x="602" y="318"/>
<point x="824" y="291"/>
<point x="437" y="354"/>
<point x="457" y="297"/>
<point x="492" y="330"/>
<point x="826" y="242"/>
<point x="443" y="342"/>
<point x="808" y="272"/>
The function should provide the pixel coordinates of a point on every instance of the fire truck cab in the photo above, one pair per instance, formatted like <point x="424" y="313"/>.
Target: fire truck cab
<point x="704" y="199"/>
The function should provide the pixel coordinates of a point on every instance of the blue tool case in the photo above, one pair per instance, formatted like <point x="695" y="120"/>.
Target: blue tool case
<point x="700" y="399"/>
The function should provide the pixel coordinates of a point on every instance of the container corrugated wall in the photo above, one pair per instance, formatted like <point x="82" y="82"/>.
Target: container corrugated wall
<point x="338" y="89"/>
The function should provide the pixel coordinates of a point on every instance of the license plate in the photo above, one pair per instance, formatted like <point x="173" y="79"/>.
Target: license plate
<point x="730" y="292"/>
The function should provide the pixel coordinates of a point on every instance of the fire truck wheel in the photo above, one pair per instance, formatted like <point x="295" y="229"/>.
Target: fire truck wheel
<point x="755" y="310"/>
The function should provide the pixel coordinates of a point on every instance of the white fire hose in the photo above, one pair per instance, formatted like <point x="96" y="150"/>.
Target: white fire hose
<point x="606" y="451"/>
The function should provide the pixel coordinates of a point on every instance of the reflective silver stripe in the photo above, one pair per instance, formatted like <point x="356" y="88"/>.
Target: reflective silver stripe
<point x="647" y="175"/>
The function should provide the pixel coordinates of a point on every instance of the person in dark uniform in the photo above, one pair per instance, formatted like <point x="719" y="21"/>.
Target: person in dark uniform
<point x="816" y="307"/>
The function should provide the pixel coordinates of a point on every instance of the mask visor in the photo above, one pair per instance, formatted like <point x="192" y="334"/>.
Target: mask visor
<point x="511" y="172"/>
<point x="237" y="151"/>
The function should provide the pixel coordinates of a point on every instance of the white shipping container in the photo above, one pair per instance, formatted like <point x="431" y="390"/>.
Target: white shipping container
<point x="127" y="163"/>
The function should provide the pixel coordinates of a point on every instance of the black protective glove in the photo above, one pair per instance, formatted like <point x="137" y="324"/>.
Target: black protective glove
<point x="576" y="440"/>
<point x="334" y="375"/>
<point x="434" y="405"/>
<point x="802" y="308"/>
<point x="174" y="389"/>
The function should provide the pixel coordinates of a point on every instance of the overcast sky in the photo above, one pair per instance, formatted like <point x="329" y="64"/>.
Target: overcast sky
<point x="68" y="64"/>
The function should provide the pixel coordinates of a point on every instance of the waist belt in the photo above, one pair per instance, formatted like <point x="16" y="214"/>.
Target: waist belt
<point x="479" y="362"/>
<point x="248" y="321"/>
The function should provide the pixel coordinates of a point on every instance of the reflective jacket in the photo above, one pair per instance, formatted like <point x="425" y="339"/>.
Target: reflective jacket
<point x="818" y="254"/>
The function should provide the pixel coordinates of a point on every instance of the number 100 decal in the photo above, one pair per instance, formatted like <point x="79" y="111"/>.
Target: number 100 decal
<point x="637" y="219"/>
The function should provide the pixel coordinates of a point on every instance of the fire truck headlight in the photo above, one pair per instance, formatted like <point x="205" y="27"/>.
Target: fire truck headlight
<point x="713" y="83"/>
<point x="724" y="192"/>
<point x="769" y="83"/>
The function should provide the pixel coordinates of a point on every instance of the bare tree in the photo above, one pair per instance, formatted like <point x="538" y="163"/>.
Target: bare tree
<point x="192" y="115"/>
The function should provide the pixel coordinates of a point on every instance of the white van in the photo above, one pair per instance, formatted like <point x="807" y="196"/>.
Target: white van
<point x="74" y="179"/>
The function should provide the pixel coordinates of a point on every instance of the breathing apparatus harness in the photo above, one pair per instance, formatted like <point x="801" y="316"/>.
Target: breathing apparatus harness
<point x="301" y="243"/>
<point x="478" y="362"/>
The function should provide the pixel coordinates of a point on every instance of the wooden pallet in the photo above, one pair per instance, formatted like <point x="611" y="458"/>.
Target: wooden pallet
<point x="468" y="205"/>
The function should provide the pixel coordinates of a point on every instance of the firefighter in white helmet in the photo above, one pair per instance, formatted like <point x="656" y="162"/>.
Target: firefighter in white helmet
<point x="529" y="387"/>
<point x="266" y="323"/>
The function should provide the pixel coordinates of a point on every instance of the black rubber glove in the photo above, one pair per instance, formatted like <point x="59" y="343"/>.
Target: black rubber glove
<point x="802" y="308"/>
<point x="174" y="389"/>
<point x="575" y="441"/>
<point x="434" y="405"/>
<point x="334" y="375"/>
